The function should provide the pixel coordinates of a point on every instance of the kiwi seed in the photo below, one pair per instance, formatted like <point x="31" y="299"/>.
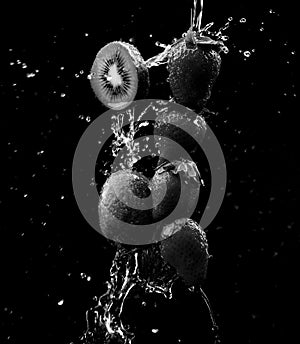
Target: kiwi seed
<point x="119" y="75"/>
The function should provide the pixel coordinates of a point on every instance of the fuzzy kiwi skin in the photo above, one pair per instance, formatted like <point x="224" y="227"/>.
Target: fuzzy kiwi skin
<point x="113" y="212"/>
<point x="183" y="128"/>
<point x="187" y="251"/>
<point x="193" y="72"/>
<point x="142" y="74"/>
<point x="182" y="194"/>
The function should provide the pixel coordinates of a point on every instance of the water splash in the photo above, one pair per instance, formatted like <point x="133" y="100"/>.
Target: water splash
<point x="141" y="267"/>
<point x="200" y="36"/>
<point x="130" y="268"/>
<point x="204" y="36"/>
<point x="124" y="137"/>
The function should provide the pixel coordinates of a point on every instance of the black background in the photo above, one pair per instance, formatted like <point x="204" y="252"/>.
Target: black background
<point x="49" y="253"/>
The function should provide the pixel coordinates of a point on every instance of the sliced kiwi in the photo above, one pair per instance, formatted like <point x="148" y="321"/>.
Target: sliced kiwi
<point x="119" y="75"/>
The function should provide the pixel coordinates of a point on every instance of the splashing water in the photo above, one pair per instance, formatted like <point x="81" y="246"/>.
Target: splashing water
<point x="125" y="138"/>
<point x="198" y="34"/>
<point x="130" y="268"/>
<point x="124" y="135"/>
<point x="141" y="267"/>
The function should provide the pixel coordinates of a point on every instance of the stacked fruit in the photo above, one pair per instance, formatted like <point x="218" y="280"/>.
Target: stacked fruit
<point x="119" y="75"/>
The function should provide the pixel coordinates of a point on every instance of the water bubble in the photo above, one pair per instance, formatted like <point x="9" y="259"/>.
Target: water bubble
<point x="61" y="302"/>
<point x="247" y="53"/>
<point x="243" y="20"/>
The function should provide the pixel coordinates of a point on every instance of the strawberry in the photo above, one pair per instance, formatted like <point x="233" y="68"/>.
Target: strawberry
<point x="193" y="67"/>
<point x="185" y="248"/>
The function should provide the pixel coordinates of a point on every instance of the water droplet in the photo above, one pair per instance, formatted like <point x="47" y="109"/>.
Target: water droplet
<point x="61" y="302"/>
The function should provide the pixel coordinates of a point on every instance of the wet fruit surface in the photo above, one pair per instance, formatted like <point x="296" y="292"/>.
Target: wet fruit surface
<point x="125" y="197"/>
<point x="182" y="192"/>
<point x="193" y="72"/>
<point x="128" y="197"/>
<point x="176" y="129"/>
<point x="186" y="250"/>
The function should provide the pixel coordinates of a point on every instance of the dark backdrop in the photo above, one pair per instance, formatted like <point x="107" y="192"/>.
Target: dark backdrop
<point x="52" y="262"/>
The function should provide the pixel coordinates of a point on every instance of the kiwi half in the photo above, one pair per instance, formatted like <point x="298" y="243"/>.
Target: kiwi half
<point x="119" y="75"/>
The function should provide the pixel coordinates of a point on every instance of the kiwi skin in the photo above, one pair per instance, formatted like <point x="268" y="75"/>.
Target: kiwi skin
<point x="183" y="128"/>
<point x="113" y="212"/>
<point x="193" y="72"/>
<point x="141" y="73"/>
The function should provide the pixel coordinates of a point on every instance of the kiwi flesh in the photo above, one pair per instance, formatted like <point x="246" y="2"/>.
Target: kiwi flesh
<point x="119" y="75"/>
